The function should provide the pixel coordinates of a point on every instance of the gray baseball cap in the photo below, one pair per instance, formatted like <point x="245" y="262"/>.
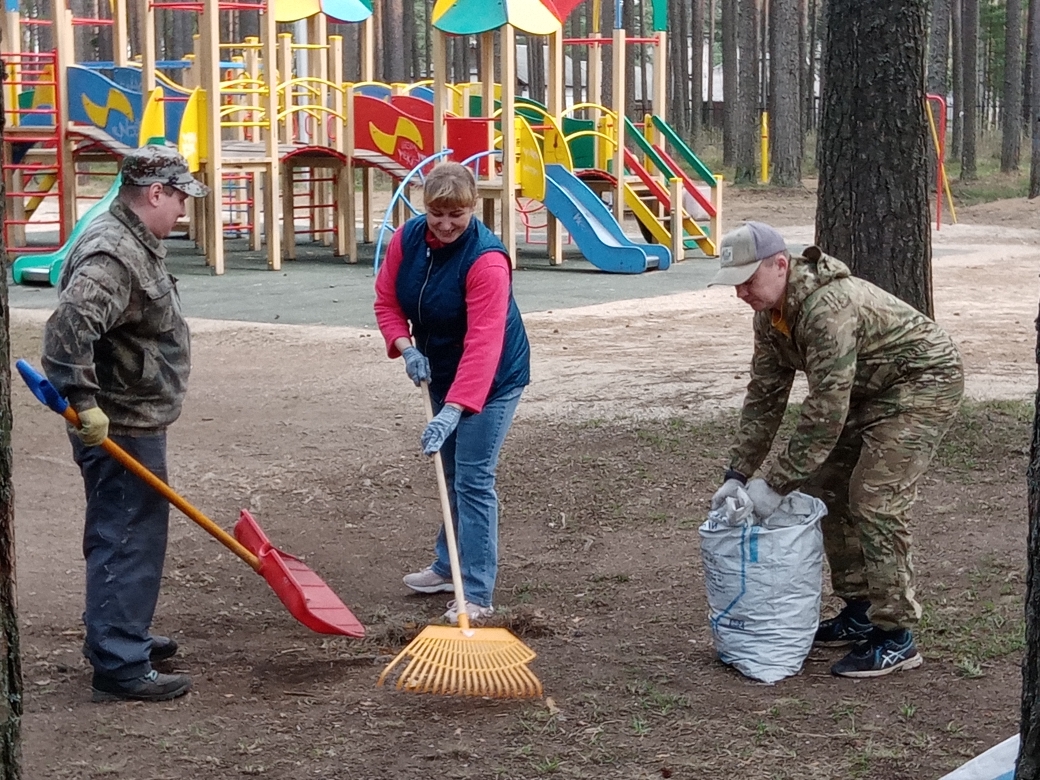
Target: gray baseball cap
<point x="742" y="251"/>
<point x="154" y="164"/>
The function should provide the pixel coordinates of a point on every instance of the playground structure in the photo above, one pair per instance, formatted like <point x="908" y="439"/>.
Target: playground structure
<point x="281" y="142"/>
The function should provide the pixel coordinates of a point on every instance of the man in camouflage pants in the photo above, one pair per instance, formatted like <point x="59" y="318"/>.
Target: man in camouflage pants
<point x="884" y="384"/>
<point x="117" y="347"/>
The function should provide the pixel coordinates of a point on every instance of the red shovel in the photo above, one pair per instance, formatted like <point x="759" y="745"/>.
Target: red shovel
<point x="303" y="592"/>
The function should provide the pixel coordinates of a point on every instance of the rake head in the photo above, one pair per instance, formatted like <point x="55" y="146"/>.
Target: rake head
<point x="465" y="662"/>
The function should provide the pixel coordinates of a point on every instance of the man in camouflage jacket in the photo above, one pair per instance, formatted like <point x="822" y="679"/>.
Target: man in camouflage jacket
<point x="884" y="384"/>
<point x="117" y="347"/>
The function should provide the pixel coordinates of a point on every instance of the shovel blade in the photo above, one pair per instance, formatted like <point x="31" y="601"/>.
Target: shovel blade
<point x="303" y="592"/>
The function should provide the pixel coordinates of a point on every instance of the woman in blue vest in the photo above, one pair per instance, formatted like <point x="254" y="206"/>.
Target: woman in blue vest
<point x="444" y="302"/>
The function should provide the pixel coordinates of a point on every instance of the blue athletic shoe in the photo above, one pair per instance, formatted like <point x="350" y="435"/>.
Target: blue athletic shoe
<point x="883" y="653"/>
<point x="848" y="626"/>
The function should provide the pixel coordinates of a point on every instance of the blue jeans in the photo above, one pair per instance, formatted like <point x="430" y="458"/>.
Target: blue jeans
<point x="124" y="544"/>
<point x="470" y="459"/>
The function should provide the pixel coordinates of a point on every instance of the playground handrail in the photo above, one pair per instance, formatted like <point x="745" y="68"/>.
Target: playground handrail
<point x="399" y="193"/>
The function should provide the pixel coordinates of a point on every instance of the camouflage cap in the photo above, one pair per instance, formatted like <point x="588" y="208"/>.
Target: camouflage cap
<point x="742" y="251"/>
<point x="154" y="164"/>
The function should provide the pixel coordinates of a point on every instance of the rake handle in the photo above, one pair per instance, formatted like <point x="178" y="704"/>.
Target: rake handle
<point x="49" y="396"/>
<point x="449" y="523"/>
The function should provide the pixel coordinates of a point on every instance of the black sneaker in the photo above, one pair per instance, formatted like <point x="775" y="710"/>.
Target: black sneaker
<point x="163" y="648"/>
<point x="848" y="626"/>
<point x="152" y="687"/>
<point x="883" y="653"/>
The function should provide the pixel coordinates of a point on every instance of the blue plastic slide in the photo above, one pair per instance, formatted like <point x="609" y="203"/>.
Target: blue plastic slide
<point x="595" y="231"/>
<point x="46" y="268"/>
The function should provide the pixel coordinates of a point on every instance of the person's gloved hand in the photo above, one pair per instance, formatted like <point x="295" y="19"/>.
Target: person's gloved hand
<point x="766" y="499"/>
<point x="439" y="429"/>
<point x="728" y="490"/>
<point x="93" y="426"/>
<point x="417" y="365"/>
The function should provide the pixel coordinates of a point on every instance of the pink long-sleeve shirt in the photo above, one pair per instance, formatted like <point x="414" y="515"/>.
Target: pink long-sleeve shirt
<point x="487" y="303"/>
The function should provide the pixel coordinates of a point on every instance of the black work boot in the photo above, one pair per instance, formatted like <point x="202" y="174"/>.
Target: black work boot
<point x="163" y="648"/>
<point x="153" y="686"/>
<point x="848" y="626"/>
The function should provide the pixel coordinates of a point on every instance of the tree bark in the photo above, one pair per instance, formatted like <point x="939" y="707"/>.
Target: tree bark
<point x="10" y="653"/>
<point x="939" y="48"/>
<point x="786" y="98"/>
<point x="730" y="90"/>
<point x="970" y="65"/>
<point x="747" y="133"/>
<point x="1028" y="765"/>
<point x="872" y="204"/>
<point x="694" y="78"/>
<point x="957" y="78"/>
<point x="1011" y="113"/>
<point x="1034" y="59"/>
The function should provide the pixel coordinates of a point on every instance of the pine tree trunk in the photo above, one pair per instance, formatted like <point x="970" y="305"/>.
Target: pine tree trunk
<point x="10" y="654"/>
<point x="730" y="90"/>
<point x="1011" y="113"/>
<point x="970" y="64"/>
<point x="694" y="79"/>
<point x="872" y="204"/>
<point x="747" y="132"/>
<point x="1028" y="764"/>
<point x="785" y="117"/>
<point x="957" y="78"/>
<point x="1034" y="59"/>
<point x="809" y="87"/>
<point x="939" y="48"/>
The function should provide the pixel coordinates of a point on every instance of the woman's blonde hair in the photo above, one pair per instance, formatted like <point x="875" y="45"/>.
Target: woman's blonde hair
<point x="451" y="186"/>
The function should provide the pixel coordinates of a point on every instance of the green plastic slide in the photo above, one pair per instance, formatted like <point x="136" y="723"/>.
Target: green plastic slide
<point x="46" y="268"/>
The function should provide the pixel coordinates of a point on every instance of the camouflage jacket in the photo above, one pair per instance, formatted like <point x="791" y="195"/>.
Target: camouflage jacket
<point x="854" y="342"/>
<point x="117" y="338"/>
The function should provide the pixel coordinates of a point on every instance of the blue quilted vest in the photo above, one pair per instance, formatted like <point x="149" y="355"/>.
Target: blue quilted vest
<point x="431" y="290"/>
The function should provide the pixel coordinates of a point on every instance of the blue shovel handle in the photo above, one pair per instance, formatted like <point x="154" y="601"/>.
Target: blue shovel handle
<point x="44" y="390"/>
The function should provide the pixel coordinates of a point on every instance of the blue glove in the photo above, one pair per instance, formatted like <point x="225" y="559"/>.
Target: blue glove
<point x="416" y="364"/>
<point x="439" y="429"/>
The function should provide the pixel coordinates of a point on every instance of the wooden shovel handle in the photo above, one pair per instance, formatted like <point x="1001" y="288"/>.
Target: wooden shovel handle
<point x="449" y="524"/>
<point x="160" y="487"/>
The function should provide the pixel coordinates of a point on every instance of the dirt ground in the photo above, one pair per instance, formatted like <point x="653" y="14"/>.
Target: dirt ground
<point x="604" y="480"/>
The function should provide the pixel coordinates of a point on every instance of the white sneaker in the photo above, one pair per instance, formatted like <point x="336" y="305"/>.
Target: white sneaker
<point x="428" y="581"/>
<point x="476" y="612"/>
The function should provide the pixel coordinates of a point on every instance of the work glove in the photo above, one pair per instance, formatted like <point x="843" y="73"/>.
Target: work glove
<point x="729" y="489"/>
<point x="439" y="429"/>
<point x="93" y="426"/>
<point x="765" y="499"/>
<point x="417" y="365"/>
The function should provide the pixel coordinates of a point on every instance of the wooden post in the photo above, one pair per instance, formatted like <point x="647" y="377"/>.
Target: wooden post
<point x="209" y="62"/>
<point x="63" y="154"/>
<point x="148" y="47"/>
<point x="660" y="78"/>
<point x="268" y="36"/>
<point x="715" y="224"/>
<point x="554" y="236"/>
<point x="252" y="72"/>
<point x="618" y="62"/>
<point x="368" y="60"/>
<point x="344" y="190"/>
<point x="120" y="43"/>
<point x="348" y="206"/>
<point x="675" y="192"/>
<point x="487" y="109"/>
<point x="508" y="61"/>
<point x="440" y="89"/>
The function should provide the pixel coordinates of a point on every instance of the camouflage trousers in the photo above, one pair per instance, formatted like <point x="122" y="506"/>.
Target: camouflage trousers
<point x="869" y="483"/>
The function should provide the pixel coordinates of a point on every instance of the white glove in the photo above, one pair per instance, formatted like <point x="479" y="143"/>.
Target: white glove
<point x="728" y="490"/>
<point x="765" y="499"/>
<point x="737" y="508"/>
